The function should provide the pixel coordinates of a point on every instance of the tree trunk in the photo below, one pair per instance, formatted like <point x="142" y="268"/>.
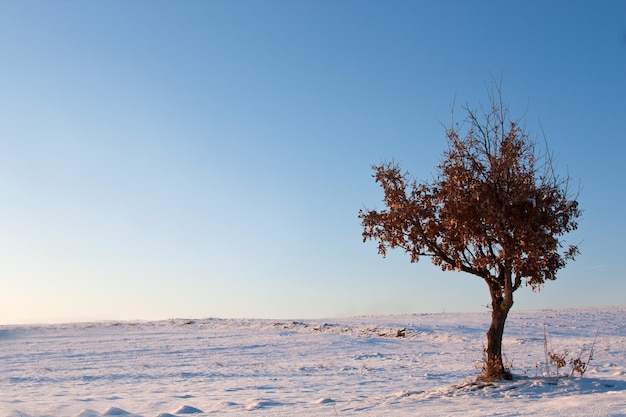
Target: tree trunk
<point x="501" y="303"/>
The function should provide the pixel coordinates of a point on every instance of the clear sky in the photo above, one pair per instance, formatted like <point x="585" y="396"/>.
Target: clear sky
<point x="165" y="159"/>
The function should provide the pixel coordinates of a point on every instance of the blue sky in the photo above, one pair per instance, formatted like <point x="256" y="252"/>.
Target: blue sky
<point x="167" y="159"/>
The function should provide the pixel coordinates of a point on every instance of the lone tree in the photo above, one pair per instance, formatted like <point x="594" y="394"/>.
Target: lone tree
<point x="495" y="209"/>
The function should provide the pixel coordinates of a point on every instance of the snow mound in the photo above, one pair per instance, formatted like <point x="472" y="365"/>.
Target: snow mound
<point x="225" y="404"/>
<point x="263" y="403"/>
<point x="186" y="409"/>
<point x="89" y="413"/>
<point x="325" y="401"/>
<point x="114" y="411"/>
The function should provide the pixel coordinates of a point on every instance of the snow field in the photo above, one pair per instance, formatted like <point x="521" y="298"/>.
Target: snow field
<point x="403" y="365"/>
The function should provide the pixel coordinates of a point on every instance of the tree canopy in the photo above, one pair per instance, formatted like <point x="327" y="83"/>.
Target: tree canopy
<point x="495" y="209"/>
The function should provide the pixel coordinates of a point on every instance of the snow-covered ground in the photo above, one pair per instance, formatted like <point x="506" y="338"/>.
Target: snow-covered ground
<point x="336" y="367"/>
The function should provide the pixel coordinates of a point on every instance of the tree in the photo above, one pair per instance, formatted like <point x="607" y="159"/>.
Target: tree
<point x="496" y="209"/>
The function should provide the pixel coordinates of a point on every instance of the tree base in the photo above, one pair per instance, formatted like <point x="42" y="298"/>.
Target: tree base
<point x="495" y="376"/>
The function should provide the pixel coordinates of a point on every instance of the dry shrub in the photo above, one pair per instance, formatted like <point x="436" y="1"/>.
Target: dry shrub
<point x="578" y="364"/>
